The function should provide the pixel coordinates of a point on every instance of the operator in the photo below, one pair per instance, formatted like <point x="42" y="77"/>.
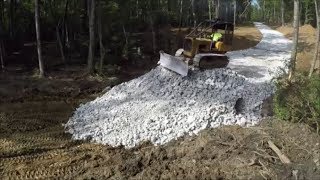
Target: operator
<point x="216" y="36"/>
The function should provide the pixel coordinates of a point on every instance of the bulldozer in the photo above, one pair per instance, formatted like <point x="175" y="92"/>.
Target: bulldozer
<point x="199" y="51"/>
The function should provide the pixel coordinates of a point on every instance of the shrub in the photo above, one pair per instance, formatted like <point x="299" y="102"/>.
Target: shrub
<point x="299" y="100"/>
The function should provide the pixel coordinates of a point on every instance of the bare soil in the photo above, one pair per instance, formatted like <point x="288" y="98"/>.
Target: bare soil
<point x="33" y="144"/>
<point x="306" y="46"/>
<point x="246" y="37"/>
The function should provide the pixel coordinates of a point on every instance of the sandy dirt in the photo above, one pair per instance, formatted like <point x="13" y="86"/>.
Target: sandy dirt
<point x="306" y="47"/>
<point x="246" y="37"/>
<point x="33" y="144"/>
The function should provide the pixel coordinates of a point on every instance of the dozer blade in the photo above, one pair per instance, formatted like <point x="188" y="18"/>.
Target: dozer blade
<point x="173" y="63"/>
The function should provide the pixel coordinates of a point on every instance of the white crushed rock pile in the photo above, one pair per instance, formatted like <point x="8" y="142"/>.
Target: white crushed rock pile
<point x="161" y="105"/>
<point x="268" y="59"/>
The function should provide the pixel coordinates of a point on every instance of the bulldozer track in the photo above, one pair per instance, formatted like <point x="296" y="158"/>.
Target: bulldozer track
<point x="35" y="157"/>
<point x="34" y="135"/>
<point x="23" y="150"/>
<point x="20" y="143"/>
<point x="45" y="116"/>
<point x="67" y="172"/>
<point x="58" y="136"/>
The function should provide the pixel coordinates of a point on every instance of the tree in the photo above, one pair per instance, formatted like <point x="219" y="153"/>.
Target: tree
<point x="264" y="10"/>
<point x="282" y="13"/>
<point x="2" y="55"/>
<point x="102" y="49"/>
<point x="1" y="34"/>
<point x="209" y="9"/>
<point x="217" y="8"/>
<point x="193" y="13"/>
<point x="181" y="15"/>
<point x="91" y="35"/>
<point x="11" y="16"/>
<point x="83" y="17"/>
<point x="41" y="69"/>
<point x="151" y="19"/>
<point x="316" y="52"/>
<point x="296" y="20"/>
<point x="234" y="12"/>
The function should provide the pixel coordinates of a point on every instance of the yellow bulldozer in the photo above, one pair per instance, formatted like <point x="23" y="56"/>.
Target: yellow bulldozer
<point x="200" y="51"/>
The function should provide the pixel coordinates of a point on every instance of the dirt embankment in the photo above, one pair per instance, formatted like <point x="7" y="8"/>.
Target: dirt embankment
<point x="246" y="37"/>
<point x="306" y="46"/>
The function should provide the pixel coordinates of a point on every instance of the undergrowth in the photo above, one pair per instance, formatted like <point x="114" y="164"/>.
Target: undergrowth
<point x="299" y="100"/>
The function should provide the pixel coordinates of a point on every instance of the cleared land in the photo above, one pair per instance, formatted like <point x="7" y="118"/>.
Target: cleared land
<point x="306" y="46"/>
<point x="33" y="143"/>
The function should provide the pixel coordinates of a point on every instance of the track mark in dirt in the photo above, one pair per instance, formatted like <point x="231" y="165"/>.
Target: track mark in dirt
<point x="225" y="153"/>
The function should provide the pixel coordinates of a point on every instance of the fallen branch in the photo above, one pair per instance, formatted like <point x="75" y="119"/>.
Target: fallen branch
<point x="266" y="156"/>
<point x="283" y="158"/>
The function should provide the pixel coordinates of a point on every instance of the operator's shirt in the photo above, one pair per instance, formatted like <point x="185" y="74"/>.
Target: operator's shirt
<point x="216" y="36"/>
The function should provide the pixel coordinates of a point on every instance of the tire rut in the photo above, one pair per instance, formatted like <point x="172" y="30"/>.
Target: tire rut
<point x="33" y="135"/>
<point x="67" y="172"/>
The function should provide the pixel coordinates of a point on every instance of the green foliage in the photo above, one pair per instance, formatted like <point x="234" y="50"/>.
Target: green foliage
<point x="299" y="101"/>
<point x="270" y="11"/>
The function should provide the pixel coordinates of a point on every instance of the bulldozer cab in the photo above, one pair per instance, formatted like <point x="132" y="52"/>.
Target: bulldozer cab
<point x="199" y="40"/>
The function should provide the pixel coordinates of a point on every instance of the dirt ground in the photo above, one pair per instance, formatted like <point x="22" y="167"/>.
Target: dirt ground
<point x="33" y="144"/>
<point x="306" y="47"/>
<point x="246" y="37"/>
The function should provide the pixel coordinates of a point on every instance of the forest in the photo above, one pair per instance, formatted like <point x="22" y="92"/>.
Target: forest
<point x="159" y="89"/>
<point x="107" y="33"/>
<point x="100" y="32"/>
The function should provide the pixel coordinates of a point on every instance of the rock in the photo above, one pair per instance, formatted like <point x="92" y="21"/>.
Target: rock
<point x="161" y="105"/>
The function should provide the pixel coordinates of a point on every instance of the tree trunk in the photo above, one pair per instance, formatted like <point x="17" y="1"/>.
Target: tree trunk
<point x="91" y="35"/>
<point x="181" y="8"/>
<point x="41" y="69"/>
<point x="2" y="34"/>
<point x="2" y="55"/>
<point x="84" y="18"/>
<point x="11" y="17"/>
<point x="300" y="12"/>
<point x="264" y="10"/>
<point x="137" y="8"/>
<point x="102" y="49"/>
<point x="218" y="9"/>
<point x="282" y="13"/>
<point x="154" y="40"/>
<point x="296" y="18"/>
<point x="89" y="7"/>
<point x="125" y="49"/>
<point x="226" y="11"/>
<point x="209" y="11"/>
<point x="168" y="6"/>
<point x="306" y="13"/>
<point x="274" y="12"/>
<point x="316" y="52"/>
<point x="2" y="12"/>
<point x="234" y="12"/>
<point x="60" y="44"/>
<point x="65" y="26"/>
<point x="193" y="14"/>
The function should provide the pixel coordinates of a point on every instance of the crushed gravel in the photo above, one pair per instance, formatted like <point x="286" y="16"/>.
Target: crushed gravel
<point x="161" y="105"/>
